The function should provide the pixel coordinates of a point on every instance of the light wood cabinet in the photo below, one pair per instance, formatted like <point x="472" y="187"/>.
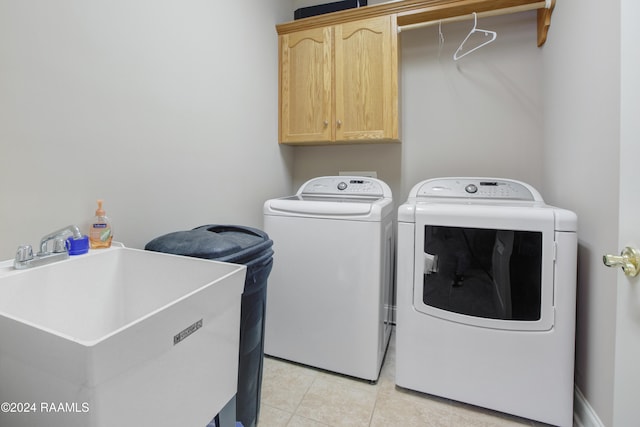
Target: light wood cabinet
<point x="339" y="84"/>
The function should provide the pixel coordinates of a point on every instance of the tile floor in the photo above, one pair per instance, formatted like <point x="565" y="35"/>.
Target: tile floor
<point x="299" y="396"/>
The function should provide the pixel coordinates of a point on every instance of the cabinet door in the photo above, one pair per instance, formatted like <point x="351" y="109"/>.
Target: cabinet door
<point x="305" y="86"/>
<point x="366" y="81"/>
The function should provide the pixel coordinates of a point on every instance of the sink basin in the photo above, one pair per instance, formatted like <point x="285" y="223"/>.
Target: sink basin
<point x="119" y="337"/>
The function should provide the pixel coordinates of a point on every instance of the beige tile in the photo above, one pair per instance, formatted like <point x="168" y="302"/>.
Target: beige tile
<point x="347" y="381"/>
<point x="298" y="421"/>
<point x="408" y="409"/>
<point x="339" y="401"/>
<point x="284" y="384"/>
<point x="273" y="417"/>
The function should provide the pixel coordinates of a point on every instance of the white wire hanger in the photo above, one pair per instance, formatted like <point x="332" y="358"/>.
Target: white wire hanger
<point x="475" y="29"/>
<point x="440" y="39"/>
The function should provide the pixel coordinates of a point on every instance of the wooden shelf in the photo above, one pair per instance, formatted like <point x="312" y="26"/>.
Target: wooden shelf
<point x="409" y="12"/>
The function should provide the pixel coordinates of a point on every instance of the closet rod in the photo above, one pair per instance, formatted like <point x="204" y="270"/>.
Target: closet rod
<point x="505" y="11"/>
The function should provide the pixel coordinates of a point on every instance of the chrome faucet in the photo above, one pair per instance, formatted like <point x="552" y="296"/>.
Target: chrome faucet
<point x="26" y="259"/>
<point x="63" y="233"/>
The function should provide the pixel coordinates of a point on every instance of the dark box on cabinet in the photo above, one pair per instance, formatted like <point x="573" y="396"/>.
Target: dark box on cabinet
<point x="305" y="12"/>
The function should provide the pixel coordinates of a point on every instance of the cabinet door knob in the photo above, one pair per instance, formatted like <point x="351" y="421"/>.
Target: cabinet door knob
<point x="629" y="260"/>
<point x="339" y="123"/>
<point x="326" y="123"/>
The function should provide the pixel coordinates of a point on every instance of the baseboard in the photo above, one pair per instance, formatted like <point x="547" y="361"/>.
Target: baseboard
<point x="583" y="413"/>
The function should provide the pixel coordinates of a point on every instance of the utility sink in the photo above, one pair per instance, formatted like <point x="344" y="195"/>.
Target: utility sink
<point x="119" y="337"/>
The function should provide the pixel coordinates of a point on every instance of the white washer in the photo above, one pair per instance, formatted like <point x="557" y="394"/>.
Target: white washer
<point x="330" y="290"/>
<point x="486" y="288"/>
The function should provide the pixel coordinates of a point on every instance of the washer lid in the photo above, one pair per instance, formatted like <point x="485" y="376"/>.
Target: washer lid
<point x="337" y="197"/>
<point x="344" y="208"/>
<point x="333" y="199"/>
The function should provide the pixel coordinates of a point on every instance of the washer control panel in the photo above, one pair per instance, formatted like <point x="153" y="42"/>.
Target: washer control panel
<point x="345" y="185"/>
<point x="477" y="188"/>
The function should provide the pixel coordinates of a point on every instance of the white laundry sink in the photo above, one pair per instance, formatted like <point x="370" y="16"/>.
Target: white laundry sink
<point x="119" y="337"/>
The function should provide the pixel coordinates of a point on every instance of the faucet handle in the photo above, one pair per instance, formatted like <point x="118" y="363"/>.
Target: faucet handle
<point x="60" y="245"/>
<point x="24" y="253"/>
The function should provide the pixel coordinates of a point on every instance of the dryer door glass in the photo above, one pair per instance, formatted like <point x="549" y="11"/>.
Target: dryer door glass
<point x="486" y="273"/>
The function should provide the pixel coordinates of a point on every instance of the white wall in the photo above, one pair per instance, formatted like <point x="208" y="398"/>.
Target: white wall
<point x="581" y="167"/>
<point x="167" y="110"/>
<point x="479" y="116"/>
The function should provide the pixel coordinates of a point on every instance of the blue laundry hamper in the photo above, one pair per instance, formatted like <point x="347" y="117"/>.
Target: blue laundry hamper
<point x="239" y="245"/>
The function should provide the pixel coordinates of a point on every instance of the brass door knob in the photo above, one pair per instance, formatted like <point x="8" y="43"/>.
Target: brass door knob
<point x="629" y="260"/>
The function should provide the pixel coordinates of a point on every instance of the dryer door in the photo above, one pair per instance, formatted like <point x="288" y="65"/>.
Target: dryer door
<point x="488" y="266"/>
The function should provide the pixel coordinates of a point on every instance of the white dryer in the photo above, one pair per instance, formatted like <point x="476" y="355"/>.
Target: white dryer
<point x="330" y="291"/>
<point x="486" y="286"/>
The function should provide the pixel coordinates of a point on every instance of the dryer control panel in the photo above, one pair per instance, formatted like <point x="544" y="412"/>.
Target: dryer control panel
<point x="477" y="188"/>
